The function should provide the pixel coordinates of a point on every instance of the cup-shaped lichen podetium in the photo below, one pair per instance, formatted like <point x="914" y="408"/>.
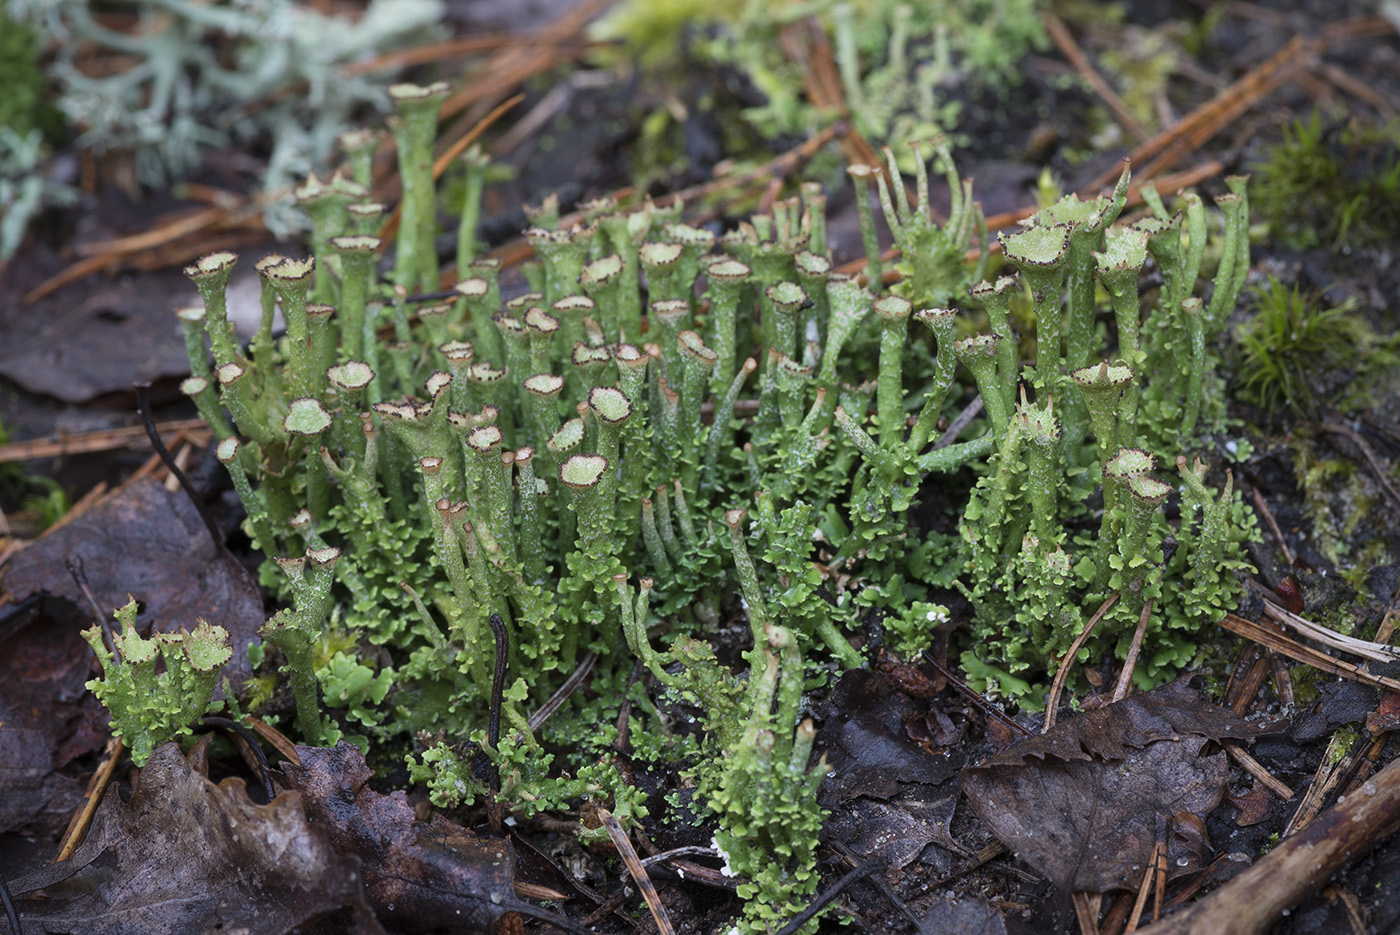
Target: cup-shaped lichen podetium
<point x="940" y="321"/>
<point x="979" y="355"/>
<point x="1042" y="433"/>
<point x="295" y="631"/>
<point x="292" y="281"/>
<point x="583" y="475"/>
<point x="191" y="319"/>
<point x="662" y="261"/>
<point x="210" y="275"/>
<point x="564" y="254"/>
<point x="415" y="130"/>
<point x="782" y="305"/>
<point x="326" y="204"/>
<point x="697" y="361"/>
<point x="601" y="281"/>
<point x="540" y="326"/>
<point x="1087" y="222"/>
<point x="611" y="409"/>
<point x="544" y="390"/>
<point x="307" y="417"/>
<point x="726" y="279"/>
<point x="1145" y="497"/>
<point x="1102" y="387"/>
<point x="1117" y="472"/>
<point x="234" y="393"/>
<point x="1040" y="254"/>
<point x="590" y="363"/>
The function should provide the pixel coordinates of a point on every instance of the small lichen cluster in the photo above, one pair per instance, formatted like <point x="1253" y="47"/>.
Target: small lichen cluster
<point x="160" y="94"/>
<point x="1150" y="402"/>
<point x="151" y="707"/>
<point x="905" y="68"/>
<point x="456" y="476"/>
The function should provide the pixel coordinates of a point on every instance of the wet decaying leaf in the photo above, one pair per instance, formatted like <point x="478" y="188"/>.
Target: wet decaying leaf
<point x="888" y="796"/>
<point x="970" y="916"/>
<point x="865" y="738"/>
<point x="185" y="855"/>
<point x="1338" y="704"/>
<point x="419" y="876"/>
<point x="47" y="719"/>
<point x="70" y="352"/>
<point x="1084" y="803"/>
<point x="150" y="543"/>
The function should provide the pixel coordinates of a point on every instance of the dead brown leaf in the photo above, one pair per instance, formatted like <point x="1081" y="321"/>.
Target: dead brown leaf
<point x="419" y="876"/>
<point x="185" y="855"/>
<point x="888" y="796"/>
<point x="1084" y="802"/>
<point x="123" y="334"/>
<point x="47" y="719"/>
<point x="148" y="542"/>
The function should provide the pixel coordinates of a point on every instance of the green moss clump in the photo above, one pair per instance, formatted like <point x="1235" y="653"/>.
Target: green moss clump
<point x="1293" y="350"/>
<point x="1331" y="183"/>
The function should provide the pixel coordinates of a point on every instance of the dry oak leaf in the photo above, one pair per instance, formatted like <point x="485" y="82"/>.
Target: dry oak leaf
<point x="1084" y="802"/>
<point x="184" y="855"/>
<point x="420" y="876"/>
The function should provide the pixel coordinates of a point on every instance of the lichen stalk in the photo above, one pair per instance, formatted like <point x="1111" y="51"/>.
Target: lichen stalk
<point x="415" y="131"/>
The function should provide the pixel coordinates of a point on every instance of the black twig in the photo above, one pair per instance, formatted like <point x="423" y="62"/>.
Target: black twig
<point x="143" y="405"/>
<point x="624" y="716"/>
<point x="75" y="568"/>
<point x="805" y="916"/>
<point x="982" y="704"/>
<point x="498" y="688"/>
<point x="264" y="768"/>
<point x="544" y="915"/>
<point x="10" y="907"/>
<point x="885" y="889"/>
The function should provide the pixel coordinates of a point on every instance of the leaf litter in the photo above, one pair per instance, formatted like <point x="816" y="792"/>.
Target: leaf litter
<point x="1085" y="803"/>
<point x="186" y="855"/>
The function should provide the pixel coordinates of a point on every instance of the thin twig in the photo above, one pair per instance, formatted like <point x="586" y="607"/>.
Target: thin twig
<point x="960" y="685"/>
<point x="880" y="884"/>
<point x="624" y="716"/>
<point x="1347" y="432"/>
<point x="63" y="443"/>
<point x="1257" y="770"/>
<point x="1264" y="511"/>
<point x="1064" y="41"/>
<point x="249" y="738"/>
<point x="1376" y="652"/>
<point x="493" y="723"/>
<point x="143" y="405"/>
<point x="638" y="872"/>
<point x="75" y="568"/>
<point x="97" y="786"/>
<point x="1280" y="642"/>
<point x="1062" y="673"/>
<point x="806" y="915"/>
<point x="10" y="913"/>
<point x="570" y="685"/>
<point x="1143" y="889"/>
<point x="1125" y="678"/>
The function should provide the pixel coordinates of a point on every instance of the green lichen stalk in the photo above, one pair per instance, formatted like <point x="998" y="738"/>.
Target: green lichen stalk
<point x="150" y="708"/>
